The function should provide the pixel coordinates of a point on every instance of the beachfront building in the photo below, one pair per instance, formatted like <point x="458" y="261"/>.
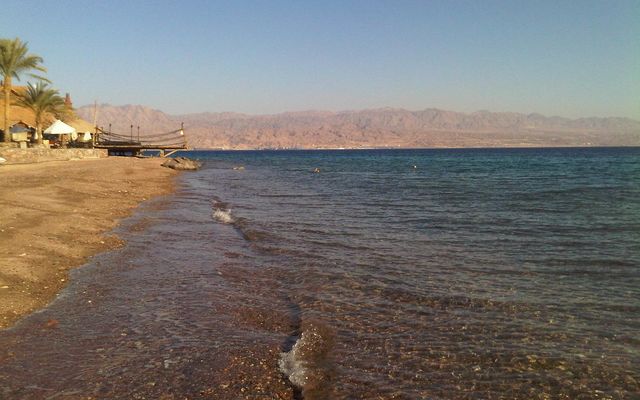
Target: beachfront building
<point x="22" y="125"/>
<point x="22" y="121"/>
<point x="77" y="133"/>
<point x="22" y="133"/>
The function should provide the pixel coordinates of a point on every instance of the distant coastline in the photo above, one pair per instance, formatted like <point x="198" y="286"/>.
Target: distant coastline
<point x="195" y="149"/>
<point x="378" y="128"/>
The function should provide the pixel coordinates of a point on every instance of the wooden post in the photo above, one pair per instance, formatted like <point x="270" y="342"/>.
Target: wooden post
<point x="95" y="113"/>
<point x="182" y="134"/>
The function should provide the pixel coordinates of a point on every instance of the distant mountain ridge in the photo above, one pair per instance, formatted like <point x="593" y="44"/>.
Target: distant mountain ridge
<point x="385" y="127"/>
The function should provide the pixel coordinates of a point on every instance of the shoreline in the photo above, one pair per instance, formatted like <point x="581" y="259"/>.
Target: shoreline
<point x="524" y="147"/>
<point x="54" y="216"/>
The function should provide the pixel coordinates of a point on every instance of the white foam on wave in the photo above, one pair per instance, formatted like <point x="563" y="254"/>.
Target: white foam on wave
<point x="307" y="364"/>
<point x="223" y="216"/>
<point x="294" y="366"/>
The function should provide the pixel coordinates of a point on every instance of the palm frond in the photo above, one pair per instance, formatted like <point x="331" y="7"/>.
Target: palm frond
<point x="41" y="99"/>
<point x="39" y="78"/>
<point x="15" y="60"/>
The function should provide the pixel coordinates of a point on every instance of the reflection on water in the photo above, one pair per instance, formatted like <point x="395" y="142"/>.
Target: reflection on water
<point x="480" y="274"/>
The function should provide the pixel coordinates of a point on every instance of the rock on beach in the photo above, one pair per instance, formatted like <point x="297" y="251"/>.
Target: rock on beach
<point x="182" y="164"/>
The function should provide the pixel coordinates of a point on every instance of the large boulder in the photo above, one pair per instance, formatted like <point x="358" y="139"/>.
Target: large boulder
<point x="182" y="164"/>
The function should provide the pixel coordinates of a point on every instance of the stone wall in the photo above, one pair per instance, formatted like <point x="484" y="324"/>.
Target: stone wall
<point x="35" y="155"/>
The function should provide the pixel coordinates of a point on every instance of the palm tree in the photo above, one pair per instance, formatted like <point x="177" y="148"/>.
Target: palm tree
<point x="15" y="61"/>
<point x="41" y="99"/>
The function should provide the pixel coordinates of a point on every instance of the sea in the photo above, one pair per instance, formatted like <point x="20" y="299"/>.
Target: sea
<point x="357" y="274"/>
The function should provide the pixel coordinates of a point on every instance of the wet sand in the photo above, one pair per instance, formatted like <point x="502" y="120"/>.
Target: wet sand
<point x="55" y="215"/>
<point x="168" y="315"/>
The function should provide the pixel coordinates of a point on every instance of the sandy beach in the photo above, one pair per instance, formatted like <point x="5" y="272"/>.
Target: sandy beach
<point x="55" y="215"/>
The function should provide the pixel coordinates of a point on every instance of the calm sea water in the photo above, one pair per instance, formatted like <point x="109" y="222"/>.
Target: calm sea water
<point x="409" y="274"/>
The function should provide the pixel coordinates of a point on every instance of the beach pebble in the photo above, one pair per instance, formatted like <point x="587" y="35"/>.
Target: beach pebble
<point x="51" y="324"/>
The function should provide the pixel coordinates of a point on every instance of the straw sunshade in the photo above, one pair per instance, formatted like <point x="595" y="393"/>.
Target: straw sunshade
<point x="81" y="125"/>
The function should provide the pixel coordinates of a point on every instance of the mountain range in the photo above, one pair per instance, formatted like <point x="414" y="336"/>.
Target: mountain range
<point x="376" y="128"/>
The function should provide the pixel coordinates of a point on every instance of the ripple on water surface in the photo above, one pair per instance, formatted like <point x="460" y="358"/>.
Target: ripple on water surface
<point x="478" y="274"/>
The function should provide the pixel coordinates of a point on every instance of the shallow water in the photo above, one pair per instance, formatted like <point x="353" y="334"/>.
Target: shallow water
<point x="389" y="274"/>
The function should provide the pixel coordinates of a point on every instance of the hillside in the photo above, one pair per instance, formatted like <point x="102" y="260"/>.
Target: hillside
<point x="386" y="127"/>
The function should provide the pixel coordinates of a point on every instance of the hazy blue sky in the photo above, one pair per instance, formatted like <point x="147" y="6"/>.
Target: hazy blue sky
<point x="569" y="58"/>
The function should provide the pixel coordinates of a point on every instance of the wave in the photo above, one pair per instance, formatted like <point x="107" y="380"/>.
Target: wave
<point x="223" y="216"/>
<point x="222" y="212"/>
<point x="308" y="364"/>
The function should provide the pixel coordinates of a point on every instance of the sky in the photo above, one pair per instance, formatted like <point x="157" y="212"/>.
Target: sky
<point x="570" y="58"/>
